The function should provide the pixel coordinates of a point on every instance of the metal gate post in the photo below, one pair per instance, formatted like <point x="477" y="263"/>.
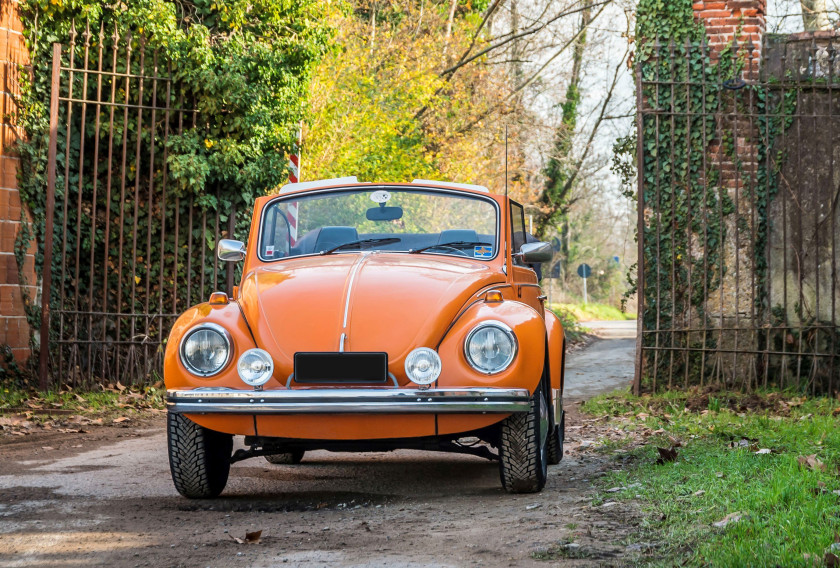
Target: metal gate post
<point x="640" y="238"/>
<point x="46" y="272"/>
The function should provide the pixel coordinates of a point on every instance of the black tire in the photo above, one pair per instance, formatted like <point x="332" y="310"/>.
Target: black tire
<point x="523" y="458"/>
<point x="288" y="458"/>
<point x="555" y="441"/>
<point x="558" y="431"/>
<point x="199" y="459"/>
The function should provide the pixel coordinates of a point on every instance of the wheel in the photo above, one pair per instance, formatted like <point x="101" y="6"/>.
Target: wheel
<point x="199" y="459"/>
<point x="558" y="431"/>
<point x="523" y="458"/>
<point x="555" y="441"/>
<point x="285" y="458"/>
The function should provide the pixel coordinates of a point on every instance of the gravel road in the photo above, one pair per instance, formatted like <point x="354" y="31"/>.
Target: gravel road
<point x="104" y="498"/>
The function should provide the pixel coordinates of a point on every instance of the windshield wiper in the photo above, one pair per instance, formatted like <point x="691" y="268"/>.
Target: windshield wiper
<point x="363" y="242"/>
<point x="453" y="244"/>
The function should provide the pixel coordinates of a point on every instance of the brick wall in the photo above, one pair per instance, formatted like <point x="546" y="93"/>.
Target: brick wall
<point x="14" y="330"/>
<point x="726" y="18"/>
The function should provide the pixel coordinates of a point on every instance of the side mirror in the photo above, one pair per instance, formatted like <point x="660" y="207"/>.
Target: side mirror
<point x="230" y="250"/>
<point x="532" y="253"/>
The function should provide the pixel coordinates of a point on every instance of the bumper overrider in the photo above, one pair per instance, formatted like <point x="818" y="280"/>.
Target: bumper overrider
<point x="473" y="400"/>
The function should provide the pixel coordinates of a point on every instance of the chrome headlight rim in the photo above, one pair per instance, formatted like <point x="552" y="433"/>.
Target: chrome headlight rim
<point x="268" y="372"/>
<point x="507" y="330"/>
<point x="214" y="327"/>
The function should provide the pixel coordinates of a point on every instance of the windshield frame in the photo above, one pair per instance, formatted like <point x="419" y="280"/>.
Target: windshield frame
<point x="373" y="187"/>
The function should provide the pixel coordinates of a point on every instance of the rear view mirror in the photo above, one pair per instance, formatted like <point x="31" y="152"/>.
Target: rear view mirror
<point x="384" y="213"/>
<point x="532" y="253"/>
<point x="230" y="250"/>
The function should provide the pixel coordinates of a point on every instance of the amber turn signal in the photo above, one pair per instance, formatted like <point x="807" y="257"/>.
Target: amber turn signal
<point x="218" y="298"/>
<point x="493" y="296"/>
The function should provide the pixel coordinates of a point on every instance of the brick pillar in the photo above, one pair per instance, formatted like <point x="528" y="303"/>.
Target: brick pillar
<point x="15" y="281"/>
<point x="726" y="19"/>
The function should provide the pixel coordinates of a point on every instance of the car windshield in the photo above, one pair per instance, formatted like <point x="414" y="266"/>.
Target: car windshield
<point x="385" y="219"/>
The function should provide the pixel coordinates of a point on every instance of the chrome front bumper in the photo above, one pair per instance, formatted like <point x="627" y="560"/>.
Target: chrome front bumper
<point x="348" y="401"/>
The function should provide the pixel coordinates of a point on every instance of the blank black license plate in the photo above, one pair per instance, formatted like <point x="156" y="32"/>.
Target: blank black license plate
<point x="331" y="367"/>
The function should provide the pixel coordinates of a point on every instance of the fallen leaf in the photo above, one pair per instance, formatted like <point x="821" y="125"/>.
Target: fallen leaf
<point x="730" y="518"/>
<point x="47" y="448"/>
<point x="120" y="386"/>
<point x="120" y="419"/>
<point x="763" y="451"/>
<point x="613" y="490"/>
<point x="666" y="455"/>
<point x="699" y="493"/>
<point x="831" y="560"/>
<point x="250" y="538"/>
<point x="811" y="462"/>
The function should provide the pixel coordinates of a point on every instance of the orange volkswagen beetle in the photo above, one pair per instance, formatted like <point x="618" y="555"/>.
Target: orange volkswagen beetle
<point x="371" y="317"/>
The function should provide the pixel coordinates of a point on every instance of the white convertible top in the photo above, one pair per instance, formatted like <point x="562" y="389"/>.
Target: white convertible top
<point x="352" y="179"/>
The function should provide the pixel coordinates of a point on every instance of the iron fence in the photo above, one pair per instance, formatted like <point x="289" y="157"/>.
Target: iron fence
<point x="130" y="248"/>
<point x="738" y="215"/>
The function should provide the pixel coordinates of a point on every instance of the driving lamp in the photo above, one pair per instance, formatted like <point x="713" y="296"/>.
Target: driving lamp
<point x="490" y="347"/>
<point x="423" y="366"/>
<point x="255" y="367"/>
<point x="205" y="349"/>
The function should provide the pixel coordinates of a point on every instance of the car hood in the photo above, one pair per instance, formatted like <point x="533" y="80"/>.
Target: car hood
<point x="380" y="301"/>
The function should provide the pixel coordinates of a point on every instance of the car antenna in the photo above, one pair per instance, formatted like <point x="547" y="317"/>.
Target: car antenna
<point x="506" y="162"/>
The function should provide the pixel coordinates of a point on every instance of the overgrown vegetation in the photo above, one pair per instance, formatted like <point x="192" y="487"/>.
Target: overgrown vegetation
<point x="742" y="480"/>
<point x="593" y="312"/>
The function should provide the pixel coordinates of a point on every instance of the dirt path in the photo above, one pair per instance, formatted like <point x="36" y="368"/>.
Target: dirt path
<point x="104" y="498"/>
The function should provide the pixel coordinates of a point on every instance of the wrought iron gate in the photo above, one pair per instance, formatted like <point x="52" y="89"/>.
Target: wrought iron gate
<point x="129" y="249"/>
<point x="739" y="182"/>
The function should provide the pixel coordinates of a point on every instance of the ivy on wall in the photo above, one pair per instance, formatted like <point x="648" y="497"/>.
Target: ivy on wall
<point x="242" y="68"/>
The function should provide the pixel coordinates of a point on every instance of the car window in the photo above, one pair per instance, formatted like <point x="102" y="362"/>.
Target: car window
<point x="517" y="225"/>
<point x="380" y="219"/>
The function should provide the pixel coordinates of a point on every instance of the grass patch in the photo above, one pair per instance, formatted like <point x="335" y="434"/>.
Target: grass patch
<point x="571" y="326"/>
<point x="780" y="512"/>
<point x="593" y="312"/>
<point x="14" y="400"/>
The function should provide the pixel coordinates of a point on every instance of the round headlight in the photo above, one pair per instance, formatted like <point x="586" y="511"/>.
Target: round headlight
<point x="490" y="347"/>
<point x="255" y="367"/>
<point x="205" y="349"/>
<point x="423" y="366"/>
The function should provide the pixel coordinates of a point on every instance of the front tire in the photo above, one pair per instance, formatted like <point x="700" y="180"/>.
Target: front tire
<point x="558" y="431"/>
<point x="555" y="441"/>
<point x="199" y="459"/>
<point x="287" y="458"/>
<point x="523" y="458"/>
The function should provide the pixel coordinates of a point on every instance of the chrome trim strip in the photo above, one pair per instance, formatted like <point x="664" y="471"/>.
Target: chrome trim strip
<point x="349" y="401"/>
<point x="353" y="272"/>
<point x="558" y="405"/>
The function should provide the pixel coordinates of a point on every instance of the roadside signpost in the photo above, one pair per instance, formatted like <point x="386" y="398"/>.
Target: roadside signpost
<point x="584" y="271"/>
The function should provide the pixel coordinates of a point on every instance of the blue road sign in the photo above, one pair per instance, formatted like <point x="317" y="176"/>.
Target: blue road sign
<point x="584" y="270"/>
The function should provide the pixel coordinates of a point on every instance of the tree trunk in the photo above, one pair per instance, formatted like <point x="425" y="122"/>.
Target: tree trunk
<point x="553" y="200"/>
<point x="815" y="15"/>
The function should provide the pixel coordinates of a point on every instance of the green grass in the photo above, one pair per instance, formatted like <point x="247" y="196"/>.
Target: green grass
<point x="593" y="312"/>
<point x="789" y="510"/>
<point x="571" y="326"/>
<point x="16" y="399"/>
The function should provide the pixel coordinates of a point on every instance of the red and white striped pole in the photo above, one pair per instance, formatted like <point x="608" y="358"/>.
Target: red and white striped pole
<point x="294" y="177"/>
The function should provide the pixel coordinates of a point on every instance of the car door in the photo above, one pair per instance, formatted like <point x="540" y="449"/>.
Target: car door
<point x="523" y="276"/>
